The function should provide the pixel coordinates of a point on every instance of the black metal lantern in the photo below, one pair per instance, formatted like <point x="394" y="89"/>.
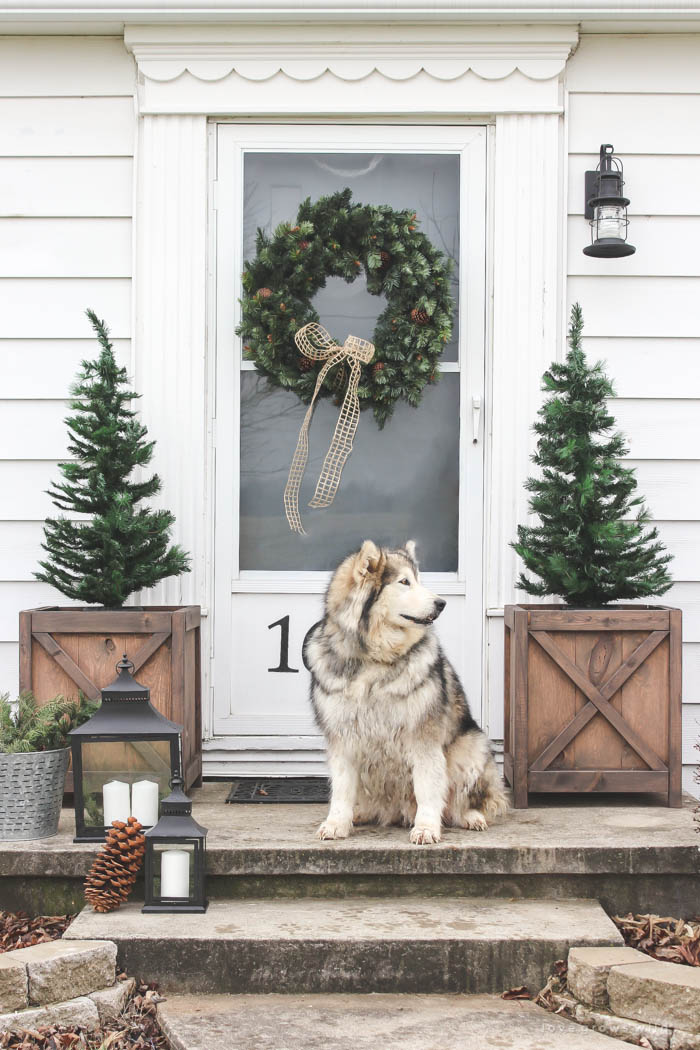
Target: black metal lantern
<point x="124" y="759"/>
<point x="175" y="857"/>
<point x="606" y="208"/>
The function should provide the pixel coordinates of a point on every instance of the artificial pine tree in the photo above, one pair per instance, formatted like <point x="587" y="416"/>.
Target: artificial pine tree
<point x="592" y="544"/>
<point x="122" y="546"/>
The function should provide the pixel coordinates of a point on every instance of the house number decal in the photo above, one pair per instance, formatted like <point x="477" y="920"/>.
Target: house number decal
<point x="283" y="667"/>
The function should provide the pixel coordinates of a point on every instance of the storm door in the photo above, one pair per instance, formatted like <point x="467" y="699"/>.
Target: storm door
<point x="418" y="478"/>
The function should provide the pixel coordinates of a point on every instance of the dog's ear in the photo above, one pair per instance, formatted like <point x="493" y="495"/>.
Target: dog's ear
<point x="367" y="561"/>
<point x="410" y="548"/>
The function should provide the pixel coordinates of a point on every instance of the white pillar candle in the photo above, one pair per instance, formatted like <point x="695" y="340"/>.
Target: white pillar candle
<point x="175" y="873"/>
<point x="115" y="801"/>
<point x="144" y="802"/>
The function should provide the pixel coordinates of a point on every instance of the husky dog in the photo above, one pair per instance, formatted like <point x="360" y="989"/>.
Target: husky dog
<point x="403" y="747"/>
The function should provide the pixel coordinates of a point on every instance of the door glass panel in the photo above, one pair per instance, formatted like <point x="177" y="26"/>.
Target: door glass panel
<point x="401" y="482"/>
<point x="275" y="184"/>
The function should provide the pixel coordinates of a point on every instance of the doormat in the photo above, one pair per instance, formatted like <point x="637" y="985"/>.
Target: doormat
<point x="279" y="789"/>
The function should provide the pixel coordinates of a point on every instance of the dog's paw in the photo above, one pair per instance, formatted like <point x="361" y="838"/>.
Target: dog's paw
<point x="331" y="830"/>
<point x="421" y="836"/>
<point x="475" y="821"/>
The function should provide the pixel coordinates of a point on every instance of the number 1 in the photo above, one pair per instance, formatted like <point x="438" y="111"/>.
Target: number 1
<point x="283" y="667"/>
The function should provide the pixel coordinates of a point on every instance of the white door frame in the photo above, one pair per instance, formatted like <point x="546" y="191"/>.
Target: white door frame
<point x="437" y="71"/>
<point x="226" y="155"/>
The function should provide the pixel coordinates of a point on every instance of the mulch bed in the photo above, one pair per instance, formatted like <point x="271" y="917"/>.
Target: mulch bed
<point x="667" y="939"/>
<point x="17" y="930"/>
<point x="136" y="1029"/>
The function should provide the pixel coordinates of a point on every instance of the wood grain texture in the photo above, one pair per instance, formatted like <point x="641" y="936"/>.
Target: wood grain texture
<point x="675" y="700"/>
<point x="550" y="618"/>
<point x="594" y="695"/>
<point x="580" y="781"/>
<point x="603" y="702"/>
<point x="66" y="650"/>
<point x="519" y="702"/>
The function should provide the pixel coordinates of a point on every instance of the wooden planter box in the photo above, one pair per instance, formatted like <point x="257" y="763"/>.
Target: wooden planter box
<point x="63" y="650"/>
<point x="592" y="700"/>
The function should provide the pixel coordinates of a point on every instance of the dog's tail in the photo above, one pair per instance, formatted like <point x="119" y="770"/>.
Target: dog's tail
<point x="495" y="799"/>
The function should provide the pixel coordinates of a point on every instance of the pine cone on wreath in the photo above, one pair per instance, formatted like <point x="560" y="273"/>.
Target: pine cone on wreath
<point x="378" y="367"/>
<point x="385" y="257"/>
<point x="264" y="293"/>
<point x="419" y="316"/>
<point x="304" y="363"/>
<point x="116" y="866"/>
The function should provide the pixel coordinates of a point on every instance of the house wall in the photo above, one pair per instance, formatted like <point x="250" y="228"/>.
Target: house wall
<point x="642" y="94"/>
<point x="66" y="187"/>
<point x="66" y="158"/>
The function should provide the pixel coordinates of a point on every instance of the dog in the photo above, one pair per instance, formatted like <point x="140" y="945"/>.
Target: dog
<point x="403" y="747"/>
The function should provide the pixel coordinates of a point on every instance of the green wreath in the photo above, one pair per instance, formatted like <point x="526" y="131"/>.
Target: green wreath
<point x="335" y="237"/>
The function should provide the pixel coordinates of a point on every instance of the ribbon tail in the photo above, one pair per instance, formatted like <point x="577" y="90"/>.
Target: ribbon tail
<point x="341" y="443"/>
<point x="301" y="455"/>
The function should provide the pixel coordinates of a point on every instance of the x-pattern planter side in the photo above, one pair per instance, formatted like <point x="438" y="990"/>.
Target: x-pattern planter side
<point x="592" y="700"/>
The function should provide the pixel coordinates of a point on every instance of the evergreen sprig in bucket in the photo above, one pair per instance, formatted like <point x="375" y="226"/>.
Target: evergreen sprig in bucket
<point x="34" y="757"/>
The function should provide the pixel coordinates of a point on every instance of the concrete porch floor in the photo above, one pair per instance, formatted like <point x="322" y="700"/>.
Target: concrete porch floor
<point x="631" y="854"/>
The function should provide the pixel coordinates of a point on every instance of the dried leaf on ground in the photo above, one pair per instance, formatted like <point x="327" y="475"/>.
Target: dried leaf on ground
<point x="136" y="1029"/>
<point x="17" y="930"/>
<point x="664" y="938"/>
<point x="520" y="992"/>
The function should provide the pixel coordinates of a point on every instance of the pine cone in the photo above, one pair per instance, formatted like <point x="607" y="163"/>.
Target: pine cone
<point x="264" y="293"/>
<point x="378" y="367"/>
<point x="385" y="257"/>
<point x="303" y="244"/>
<point x="419" y="316"/>
<point x="304" y="363"/>
<point x="116" y="866"/>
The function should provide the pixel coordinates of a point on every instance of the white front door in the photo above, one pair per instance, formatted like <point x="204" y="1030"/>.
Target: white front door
<point x="419" y="478"/>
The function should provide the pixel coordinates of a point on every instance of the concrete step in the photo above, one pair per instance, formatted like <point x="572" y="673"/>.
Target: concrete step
<point x="365" y="1022"/>
<point x="631" y="855"/>
<point x="417" y="944"/>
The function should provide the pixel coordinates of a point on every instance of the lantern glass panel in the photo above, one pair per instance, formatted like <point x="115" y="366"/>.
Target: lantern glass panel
<point x="173" y="870"/>
<point x="122" y="762"/>
<point x="610" y="221"/>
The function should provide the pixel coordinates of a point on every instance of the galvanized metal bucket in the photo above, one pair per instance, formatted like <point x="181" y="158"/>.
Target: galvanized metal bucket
<point x="31" y="792"/>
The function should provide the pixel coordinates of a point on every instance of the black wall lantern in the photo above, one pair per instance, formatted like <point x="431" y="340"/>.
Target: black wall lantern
<point x="175" y="857"/>
<point x="124" y="759"/>
<point x="606" y="208"/>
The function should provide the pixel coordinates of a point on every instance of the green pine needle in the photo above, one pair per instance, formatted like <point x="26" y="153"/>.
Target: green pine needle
<point x="594" y="543"/>
<point x="118" y="546"/>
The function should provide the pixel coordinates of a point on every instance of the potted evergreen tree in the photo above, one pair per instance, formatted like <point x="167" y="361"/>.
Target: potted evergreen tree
<point x="34" y="754"/>
<point x="107" y="544"/>
<point x="593" y="686"/>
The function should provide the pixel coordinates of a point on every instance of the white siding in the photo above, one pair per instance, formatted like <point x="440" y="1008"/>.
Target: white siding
<point x="66" y="168"/>
<point x="643" y="95"/>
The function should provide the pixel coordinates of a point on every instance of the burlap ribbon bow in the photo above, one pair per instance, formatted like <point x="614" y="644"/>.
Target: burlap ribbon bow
<point x="315" y="342"/>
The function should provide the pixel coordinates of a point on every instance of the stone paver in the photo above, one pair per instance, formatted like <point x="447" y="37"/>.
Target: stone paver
<point x="111" y="1001"/>
<point x="658" y="993"/>
<point x="684" y="1041"/>
<point x="81" y="1011"/>
<point x="13" y="982"/>
<point x="624" y="1028"/>
<point x="589" y="969"/>
<point x="62" y="969"/>
<point x="366" y="1022"/>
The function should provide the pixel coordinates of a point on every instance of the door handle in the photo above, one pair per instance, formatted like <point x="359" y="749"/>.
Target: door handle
<point x="476" y="418"/>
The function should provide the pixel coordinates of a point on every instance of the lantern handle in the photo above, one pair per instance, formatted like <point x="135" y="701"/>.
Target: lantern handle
<point x="125" y="664"/>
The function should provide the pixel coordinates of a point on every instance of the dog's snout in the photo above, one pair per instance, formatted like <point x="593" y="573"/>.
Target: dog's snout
<point x="440" y="604"/>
